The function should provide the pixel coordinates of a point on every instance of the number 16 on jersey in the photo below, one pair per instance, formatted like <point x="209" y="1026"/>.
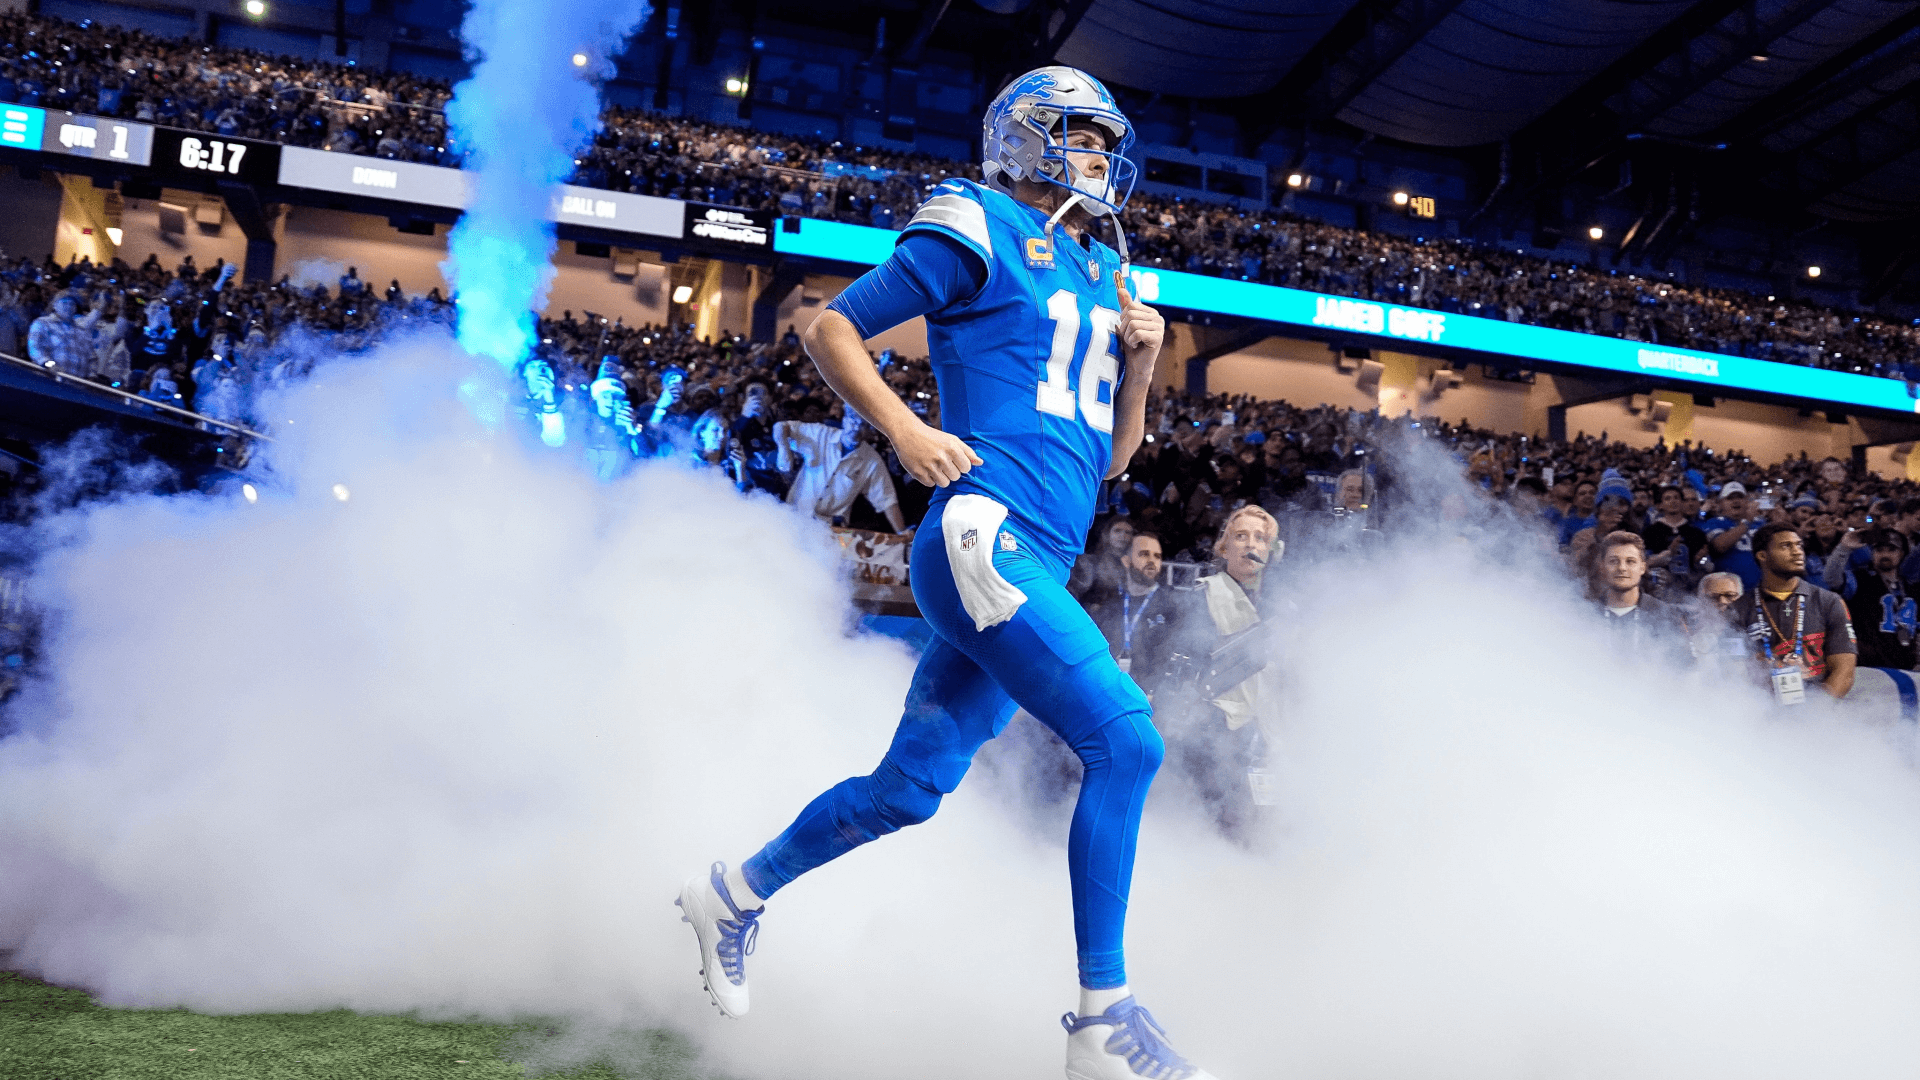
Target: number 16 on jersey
<point x="1099" y="366"/>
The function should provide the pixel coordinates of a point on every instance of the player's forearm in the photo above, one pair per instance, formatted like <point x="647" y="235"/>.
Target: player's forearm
<point x="841" y="356"/>
<point x="1129" y="424"/>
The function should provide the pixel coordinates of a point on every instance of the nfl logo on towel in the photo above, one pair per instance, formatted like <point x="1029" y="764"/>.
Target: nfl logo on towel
<point x="968" y="539"/>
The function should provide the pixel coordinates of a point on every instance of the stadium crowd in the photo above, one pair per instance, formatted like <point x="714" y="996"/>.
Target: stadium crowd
<point x="1673" y="544"/>
<point x="198" y="338"/>
<point x="95" y="68"/>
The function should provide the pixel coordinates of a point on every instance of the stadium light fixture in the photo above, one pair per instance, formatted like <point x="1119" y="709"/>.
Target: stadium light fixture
<point x="340" y="492"/>
<point x="257" y="8"/>
<point x="115" y="235"/>
<point x="1813" y="271"/>
<point x="1759" y="58"/>
<point x="736" y="86"/>
<point x="1596" y="232"/>
<point x="579" y="59"/>
<point x="1296" y="180"/>
<point x="683" y="294"/>
<point x="1400" y="198"/>
<point x="252" y="494"/>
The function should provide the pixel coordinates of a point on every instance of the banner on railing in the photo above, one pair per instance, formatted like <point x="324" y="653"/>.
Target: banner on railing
<point x="877" y="563"/>
<point x="875" y="558"/>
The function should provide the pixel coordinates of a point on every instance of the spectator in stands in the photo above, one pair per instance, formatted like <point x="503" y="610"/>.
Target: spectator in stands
<point x="667" y="421"/>
<point x="1138" y="617"/>
<point x="1730" y="536"/>
<point x="1559" y="503"/>
<point x="832" y="467"/>
<point x="1102" y="572"/>
<point x="1673" y="541"/>
<point x="1580" y="515"/>
<point x="63" y="340"/>
<point x="1638" y="620"/>
<point x="1613" y="514"/>
<point x="1352" y="491"/>
<point x="612" y="434"/>
<point x="14" y="320"/>
<point x="1721" y="589"/>
<point x="752" y="432"/>
<point x="1886" y="621"/>
<point x="859" y="473"/>
<point x="1791" y="623"/>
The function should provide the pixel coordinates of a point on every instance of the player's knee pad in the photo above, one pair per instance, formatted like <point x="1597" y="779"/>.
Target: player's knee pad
<point x="906" y="804"/>
<point x="898" y="799"/>
<point x="1135" y="744"/>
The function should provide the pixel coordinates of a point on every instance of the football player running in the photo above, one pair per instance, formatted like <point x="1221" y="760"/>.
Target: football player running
<point x="1043" y="360"/>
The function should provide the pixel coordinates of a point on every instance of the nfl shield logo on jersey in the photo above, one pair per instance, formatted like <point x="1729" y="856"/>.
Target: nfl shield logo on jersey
<point x="968" y="539"/>
<point x="1093" y="270"/>
<point x="1006" y="542"/>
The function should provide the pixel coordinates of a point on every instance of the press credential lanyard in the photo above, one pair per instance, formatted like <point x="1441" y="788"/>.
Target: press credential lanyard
<point x="1789" y="685"/>
<point x="1128" y="620"/>
<point x="1799" y="626"/>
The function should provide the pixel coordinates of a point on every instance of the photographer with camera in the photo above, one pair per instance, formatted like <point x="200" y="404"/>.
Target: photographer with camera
<point x="1219" y="692"/>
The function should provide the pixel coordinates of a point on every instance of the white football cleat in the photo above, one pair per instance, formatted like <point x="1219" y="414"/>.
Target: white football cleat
<point x="726" y="936"/>
<point x="1123" y="1043"/>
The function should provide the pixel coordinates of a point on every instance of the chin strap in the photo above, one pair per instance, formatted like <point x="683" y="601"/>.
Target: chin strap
<point x="1119" y="228"/>
<point x="1072" y="201"/>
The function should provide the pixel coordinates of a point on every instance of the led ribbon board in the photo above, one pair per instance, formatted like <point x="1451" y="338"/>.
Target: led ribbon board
<point x="1420" y="326"/>
<point x="27" y="128"/>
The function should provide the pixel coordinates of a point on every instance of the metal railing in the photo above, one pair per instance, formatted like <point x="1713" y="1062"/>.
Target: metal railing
<point x="129" y="398"/>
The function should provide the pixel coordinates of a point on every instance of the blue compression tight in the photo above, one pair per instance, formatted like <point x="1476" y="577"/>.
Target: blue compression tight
<point x="1049" y="659"/>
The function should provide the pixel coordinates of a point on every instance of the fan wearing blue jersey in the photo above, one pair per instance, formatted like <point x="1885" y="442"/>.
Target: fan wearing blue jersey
<point x="1043" y="361"/>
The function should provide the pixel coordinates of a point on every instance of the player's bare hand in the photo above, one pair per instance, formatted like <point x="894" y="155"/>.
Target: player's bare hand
<point x="1141" y="330"/>
<point x="935" y="458"/>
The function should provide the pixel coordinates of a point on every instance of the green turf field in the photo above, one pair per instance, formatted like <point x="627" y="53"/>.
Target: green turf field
<point x="49" y="1033"/>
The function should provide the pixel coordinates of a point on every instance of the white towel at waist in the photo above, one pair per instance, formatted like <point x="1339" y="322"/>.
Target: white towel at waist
<point x="971" y="527"/>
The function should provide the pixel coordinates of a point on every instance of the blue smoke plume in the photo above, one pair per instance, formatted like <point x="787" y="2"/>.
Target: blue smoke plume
<point x="532" y="101"/>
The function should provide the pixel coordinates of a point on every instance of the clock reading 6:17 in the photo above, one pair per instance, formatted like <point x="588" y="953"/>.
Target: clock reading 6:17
<point x="214" y="155"/>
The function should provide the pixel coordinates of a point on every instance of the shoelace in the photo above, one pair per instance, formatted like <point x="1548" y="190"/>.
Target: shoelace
<point x="1138" y="1038"/>
<point x="738" y="935"/>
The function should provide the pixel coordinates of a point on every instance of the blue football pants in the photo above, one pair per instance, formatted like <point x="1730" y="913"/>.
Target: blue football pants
<point x="1049" y="659"/>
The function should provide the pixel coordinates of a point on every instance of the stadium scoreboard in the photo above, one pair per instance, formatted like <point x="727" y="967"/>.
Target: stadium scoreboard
<point x="76" y="135"/>
<point x="197" y="155"/>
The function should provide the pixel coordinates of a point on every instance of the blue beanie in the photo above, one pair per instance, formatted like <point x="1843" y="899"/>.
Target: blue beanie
<point x="1613" y="486"/>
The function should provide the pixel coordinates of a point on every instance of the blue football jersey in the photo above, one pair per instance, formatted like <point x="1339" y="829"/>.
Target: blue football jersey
<point x="1029" y="367"/>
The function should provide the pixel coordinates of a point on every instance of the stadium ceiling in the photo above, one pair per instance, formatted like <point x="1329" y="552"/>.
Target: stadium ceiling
<point x="1803" y="105"/>
<point x="1782" y="109"/>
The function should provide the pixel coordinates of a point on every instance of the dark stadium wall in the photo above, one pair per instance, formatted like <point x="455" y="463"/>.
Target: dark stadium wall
<point x="32" y="208"/>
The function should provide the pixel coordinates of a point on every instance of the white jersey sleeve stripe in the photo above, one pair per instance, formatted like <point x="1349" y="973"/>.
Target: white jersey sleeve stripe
<point x="960" y="214"/>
